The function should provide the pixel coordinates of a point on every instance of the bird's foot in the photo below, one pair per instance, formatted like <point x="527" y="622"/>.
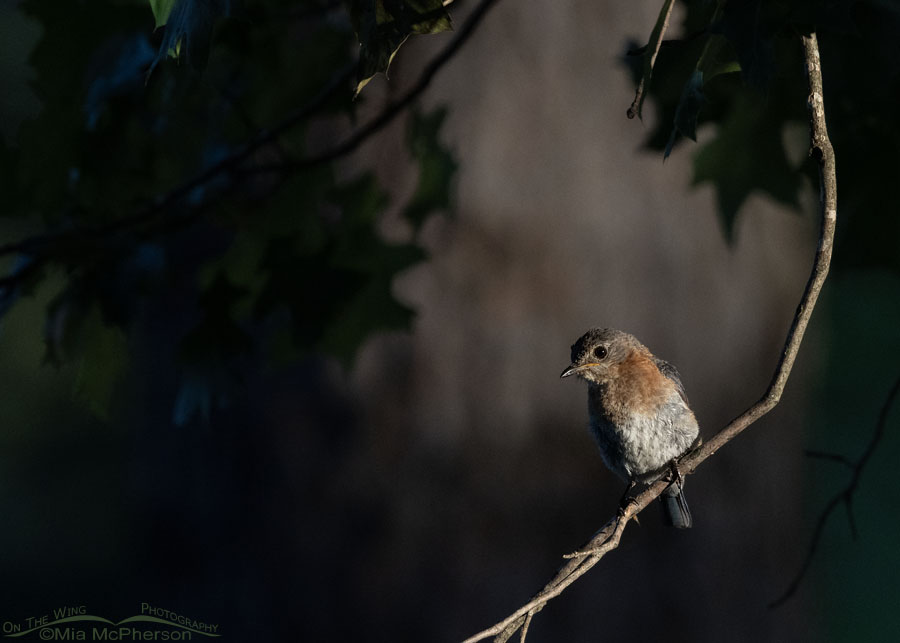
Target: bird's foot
<point x="627" y="499"/>
<point x="677" y="476"/>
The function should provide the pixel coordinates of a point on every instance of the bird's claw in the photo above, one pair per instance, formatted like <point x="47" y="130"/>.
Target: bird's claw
<point x="627" y="499"/>
<point x="677" y="476"/>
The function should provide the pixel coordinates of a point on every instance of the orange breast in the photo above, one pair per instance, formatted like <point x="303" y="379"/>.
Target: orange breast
<point x="639" y="386"/>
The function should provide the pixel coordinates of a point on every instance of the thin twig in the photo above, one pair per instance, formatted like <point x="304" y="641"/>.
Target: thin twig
<point x="394" y="108"/>
<point x="635" y="108"/>
<point x="845" y="497"/>
<point x="605" y="540"/>
<point x="525" y="627"/>
<point x="834" y="457"/>
<point x="608" y="537"/>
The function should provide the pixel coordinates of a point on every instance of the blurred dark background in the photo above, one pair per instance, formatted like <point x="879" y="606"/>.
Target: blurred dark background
<point x="427" y="486"/>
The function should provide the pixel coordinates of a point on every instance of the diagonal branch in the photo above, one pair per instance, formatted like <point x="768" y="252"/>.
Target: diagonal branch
<point x="845" y="497"/>
<point x="608" y="537"/>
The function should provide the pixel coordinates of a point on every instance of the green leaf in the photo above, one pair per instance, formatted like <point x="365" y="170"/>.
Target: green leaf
<point x="189" y="27"/>
<point x="650" y="52"/>
<point x="687" y="111"/>
<point x="746" y="155"/>
<point x="63" y="324"/>
<point x="104" y="357"/>
<point x="382" y="26"/>
<point x="308" y="287"/>
<point x="210" y="352"/>
<point x="161" y="10"/>
<point x="752" y="26"/>
<point x="28" y="275"/>
<point x="218" y="336"/>
<point x="717" y="58"/>
<point x="437" y="166"/>
<point x="337" y="293"/>
<point x="75" y="329"/>
<point x="371" y="306"/>
<point x="361" y="202"/>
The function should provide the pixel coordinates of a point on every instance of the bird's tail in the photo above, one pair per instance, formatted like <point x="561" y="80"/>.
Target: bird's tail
<point x="675" y="506"/>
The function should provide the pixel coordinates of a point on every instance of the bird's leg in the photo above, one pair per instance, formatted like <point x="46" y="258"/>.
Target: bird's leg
<point x="622" y="504"/>
<point x="627" y="499"/>
<point x="677" y="476"/>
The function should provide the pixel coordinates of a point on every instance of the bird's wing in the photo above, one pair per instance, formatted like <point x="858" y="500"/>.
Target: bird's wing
<point x="672" y="373"/>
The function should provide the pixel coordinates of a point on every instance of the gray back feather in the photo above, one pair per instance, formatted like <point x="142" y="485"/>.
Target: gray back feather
<point x="672" y="373"/>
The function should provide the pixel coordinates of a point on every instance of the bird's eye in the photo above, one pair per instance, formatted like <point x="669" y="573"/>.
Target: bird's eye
<point x="600" y="352"/>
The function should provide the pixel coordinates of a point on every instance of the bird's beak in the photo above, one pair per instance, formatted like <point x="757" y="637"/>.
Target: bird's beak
<point x="571" y="369"/>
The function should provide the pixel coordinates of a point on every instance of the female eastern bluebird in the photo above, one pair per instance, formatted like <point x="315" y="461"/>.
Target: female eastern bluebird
<point x="639" y="413"/>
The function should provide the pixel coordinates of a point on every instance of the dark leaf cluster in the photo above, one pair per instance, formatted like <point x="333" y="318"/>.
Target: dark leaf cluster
<point x="164" y="191"/>
<point x="737" y="68"/>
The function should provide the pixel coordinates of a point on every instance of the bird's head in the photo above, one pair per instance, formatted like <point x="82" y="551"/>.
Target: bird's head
<point x="596" y="354"/>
